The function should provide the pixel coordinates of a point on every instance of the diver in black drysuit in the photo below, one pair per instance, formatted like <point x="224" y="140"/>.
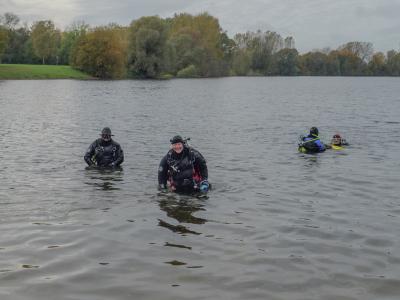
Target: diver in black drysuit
<point x="104" y="152"/>
<point x="184" y="172"/>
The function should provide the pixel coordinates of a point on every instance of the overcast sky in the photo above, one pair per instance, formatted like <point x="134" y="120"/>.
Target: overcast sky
<point x="314" y="24"/>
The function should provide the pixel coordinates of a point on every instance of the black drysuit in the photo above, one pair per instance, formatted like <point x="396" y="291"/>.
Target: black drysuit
<point x="104" y="154"/>
<point x="183" y="170"/>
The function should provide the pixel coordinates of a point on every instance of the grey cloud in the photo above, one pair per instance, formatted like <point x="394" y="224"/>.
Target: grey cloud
<point x="390" y="9"/>
<point x="313" y="23"/>
<point x="98" y="12"/>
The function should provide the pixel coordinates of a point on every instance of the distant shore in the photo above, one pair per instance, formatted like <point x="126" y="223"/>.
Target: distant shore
<point x="25" y="71"/>
<point x="21" y="71"/>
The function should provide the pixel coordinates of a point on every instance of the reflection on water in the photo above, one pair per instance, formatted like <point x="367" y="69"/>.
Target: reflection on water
<point x="104" y="178"/>
<point x="176" y="228"/>
<point x="181" y="208"/>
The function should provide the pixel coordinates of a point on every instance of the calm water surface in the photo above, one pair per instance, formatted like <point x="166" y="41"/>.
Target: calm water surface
<point x="278" y="224"/>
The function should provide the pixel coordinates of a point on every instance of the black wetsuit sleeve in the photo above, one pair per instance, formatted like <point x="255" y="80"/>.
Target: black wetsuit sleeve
<point x="163" y="171"/>
<point x="89" y="154"/>
<point x="120" y="156"/>
<point x="201" y="164"/>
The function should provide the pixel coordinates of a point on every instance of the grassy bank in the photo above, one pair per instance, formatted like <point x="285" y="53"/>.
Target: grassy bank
<point x="40" y="72"/>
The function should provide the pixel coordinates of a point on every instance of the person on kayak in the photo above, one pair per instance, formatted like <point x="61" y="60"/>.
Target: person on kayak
<point x="104" y="152"/>
<point x="312" y="143"/>
<point x="183" y="169"/>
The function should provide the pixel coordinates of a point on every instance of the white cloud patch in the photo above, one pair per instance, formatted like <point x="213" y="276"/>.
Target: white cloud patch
<point x="61" y="12"/>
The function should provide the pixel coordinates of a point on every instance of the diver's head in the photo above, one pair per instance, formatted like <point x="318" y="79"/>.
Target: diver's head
<point x="337" y="139"/>
<point x="177" y="144"/>
<point x="314" y="131"/>
<point x="106" y="134"/>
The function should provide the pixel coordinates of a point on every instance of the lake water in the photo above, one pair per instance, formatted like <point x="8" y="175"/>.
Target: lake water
<point x="277" y="225"/>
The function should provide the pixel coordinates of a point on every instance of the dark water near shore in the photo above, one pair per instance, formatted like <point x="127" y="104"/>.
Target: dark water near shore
<point x="278" y="224"/>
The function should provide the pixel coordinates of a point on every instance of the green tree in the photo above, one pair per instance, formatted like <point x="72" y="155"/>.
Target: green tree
<point x="69" y="38"/>
<point x="393" y="63"/>
<point x="241" y="63"/>
<point x="286" y="62"/>
<point x="101" y="52"/>
<point x="183" y="46"/>
<point x="147" y="46"/>
<point x="228" y="47"/>
<point x="45" y="39"/>
<point x="17" y="39"/>
<point x="18" y="42"/>
<point x="314" y="64"/>
<point x="7" y="23"/>
<point x="261" y="46"/>
<point x="3" y="40"/>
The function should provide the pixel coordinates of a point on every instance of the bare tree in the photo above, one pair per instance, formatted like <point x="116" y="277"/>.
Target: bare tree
<point x="9" y="20"/>
<point x="289" y="42"/>
<point x="364" y="50"/>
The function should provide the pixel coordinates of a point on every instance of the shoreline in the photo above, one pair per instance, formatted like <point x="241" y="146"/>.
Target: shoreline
<point x="57" y="72"/>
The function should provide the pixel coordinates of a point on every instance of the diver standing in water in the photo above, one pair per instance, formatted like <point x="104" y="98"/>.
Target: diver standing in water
<point x="183" y="169"/>
<point x="104" y="152"/>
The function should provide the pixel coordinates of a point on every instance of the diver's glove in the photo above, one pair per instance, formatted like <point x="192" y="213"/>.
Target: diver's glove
<point x="162" y="188"/>
<point x="204" y="186"/>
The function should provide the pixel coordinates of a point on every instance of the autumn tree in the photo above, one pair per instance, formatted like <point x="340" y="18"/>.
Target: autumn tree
<point x="45" y="39"/>
<point x="376" y="66"/>
<point x="200" y="44"/>
<point x="101" y="52"/>
<point x="363" y="50"/>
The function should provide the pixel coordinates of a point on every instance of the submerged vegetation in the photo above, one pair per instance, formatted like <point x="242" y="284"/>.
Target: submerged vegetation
<point x="181" y="46"/>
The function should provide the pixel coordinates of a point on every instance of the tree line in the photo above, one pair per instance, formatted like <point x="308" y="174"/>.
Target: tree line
<point x="182" y="46"/>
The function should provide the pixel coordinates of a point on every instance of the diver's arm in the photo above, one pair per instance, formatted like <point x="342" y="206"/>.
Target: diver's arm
<point x="89" y="154"/>
<point x="202" y="165"/>
<point x="120" y="156"/>
<point x="163" y="172"/>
